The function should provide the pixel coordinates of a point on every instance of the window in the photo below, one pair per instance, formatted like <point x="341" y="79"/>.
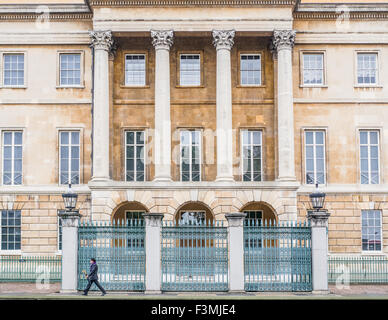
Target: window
<point x="10" y="229"/>
<point x="371" y="230"/>
<point x="190" y="155"/>
<point x="313" y="69"/>
<point x="69" y="150"/>
<point x="12" y="157"/>
<point x="252" y="155"/>
<point x="369" y="157"/>
<point x="135" y="70"/>
<point x="13" y="69"/>
<point x="250" y="69"/>
<point x="59" y="234"/>
<point x="134" y="156"/>
<point x="70" y="69"/>
<point x="315" y="157"/>
<point x="254" y="219"/>
<point x="132" y="218"/>
<point x="254" y="215"/>
<point x="190" y="70"/>
<point x="192" y="218"/>
<point x="366" y="68"/>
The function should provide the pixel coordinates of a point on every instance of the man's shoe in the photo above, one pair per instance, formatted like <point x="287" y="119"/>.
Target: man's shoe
<point x="84" y="294"/>
<point x="103" y="294"/>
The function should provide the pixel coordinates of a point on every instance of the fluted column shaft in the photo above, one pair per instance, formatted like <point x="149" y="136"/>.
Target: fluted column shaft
<point x="162" y="40"/>
<point x="102" y="42"/>
<point x="283" y="42"/>
<point x="223" y="40"/>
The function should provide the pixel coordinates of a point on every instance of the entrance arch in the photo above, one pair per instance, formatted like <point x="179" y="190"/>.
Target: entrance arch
<point x="260" y="211"/>
<point x="129" y="210"/>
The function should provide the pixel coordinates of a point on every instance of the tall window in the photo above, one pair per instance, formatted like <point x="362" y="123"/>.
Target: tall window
<point x="254" y="218"/>
<point x="371" y="230"/>
<point x="135" y="70"/>
<point x="59" y="234"/>
<point x="10" y="229"/>
<point x="13" y="69"/>
<point x="367" y="68"/>
<point x="70" y="69"/>
<point x="134" y="241"/>
<point x="12" y="157"/>
<point x="250" y="69"/>
<point x="315" y="157"/>
<point x="69" y="157"/>
<point x="252" y="155"/>
<point x="369" y="157"/>
<point x="190" y="70"/>
<point x="190" y="155"/>
<point x="134" y="156"/>
<point x="313" y="68"/>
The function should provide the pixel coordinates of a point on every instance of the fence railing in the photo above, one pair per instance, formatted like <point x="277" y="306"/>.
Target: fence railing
<point x="194" y="257"/>
<point x="30" y="268"/>
<point x="277" y="256"/>
<point x="358" y="270"/>
<point x="119" y="250"/>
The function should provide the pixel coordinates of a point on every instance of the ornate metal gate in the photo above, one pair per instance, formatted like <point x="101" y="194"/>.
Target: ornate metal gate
<point x="194" y="257"/>
<point x="119" y="251"/>
<point x="277" y="257"/>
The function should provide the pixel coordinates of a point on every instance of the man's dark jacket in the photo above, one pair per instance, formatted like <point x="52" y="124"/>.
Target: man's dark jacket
<point x="93" y="272"/>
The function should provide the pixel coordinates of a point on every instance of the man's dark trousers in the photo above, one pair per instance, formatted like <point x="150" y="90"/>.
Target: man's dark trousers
<point x="93" y="277"/>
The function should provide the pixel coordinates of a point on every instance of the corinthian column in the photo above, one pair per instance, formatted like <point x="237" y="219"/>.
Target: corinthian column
<point x="101" y="42"/>
<point x="162" y="40"/>
<point x="283" y="42"/>
<point x="223" y="41"/>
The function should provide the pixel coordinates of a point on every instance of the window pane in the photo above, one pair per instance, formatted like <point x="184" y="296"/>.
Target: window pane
<point x="135" y="69"/>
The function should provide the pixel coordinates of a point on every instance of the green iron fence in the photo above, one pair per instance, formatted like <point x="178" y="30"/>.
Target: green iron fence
<point x="358" y="270"/>
<point x="119" y="250"/>
<point x="277" y="257"/>
<point x="30" y="268"/>
<point x="194" y="257"/>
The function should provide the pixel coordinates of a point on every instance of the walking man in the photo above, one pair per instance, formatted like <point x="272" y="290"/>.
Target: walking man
<point x="93" y="277"/>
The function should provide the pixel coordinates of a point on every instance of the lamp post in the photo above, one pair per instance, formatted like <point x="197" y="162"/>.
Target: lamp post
<point x="70" y="221"/>
<point x="318" y="218"/>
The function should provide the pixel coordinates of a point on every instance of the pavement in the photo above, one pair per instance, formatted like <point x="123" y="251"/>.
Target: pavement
<point x="32" y="291"/>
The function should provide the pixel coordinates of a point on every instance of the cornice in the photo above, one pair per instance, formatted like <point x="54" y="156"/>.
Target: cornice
<point x="190" y="3"/>
<point x="30" y="12"/>
<point x="338" y="11"/>
<point x="53" y="16"/>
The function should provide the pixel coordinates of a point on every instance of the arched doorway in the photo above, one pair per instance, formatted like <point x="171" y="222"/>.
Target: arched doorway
<point x="194" y="213"/>
<point x="259" y="213"/>
<point x="126" y="212"/>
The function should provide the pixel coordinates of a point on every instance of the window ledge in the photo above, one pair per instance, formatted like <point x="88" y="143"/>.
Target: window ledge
<point x="313" y="86"/>
<point x="134" y="87"/>
<point x="251" y="86"/>
<point x="10" y="252"/>
<point x="189" y="87"/>
<point x="370" y="86"/>
<point x="70" y="87"/>
<point x="13" y="87"/>
<point x="373" y="253"/>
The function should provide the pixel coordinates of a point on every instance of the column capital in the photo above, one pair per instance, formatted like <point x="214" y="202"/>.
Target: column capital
<point x="69" y="218"/>
<point x="162" y="39"/>
<point x="101" y="40"/>
<point x="283" y="39"/>
<point x="153" y="219"/>
<point x="318" y="218"/>
<point x="223" y="39"/>
<point x="235" y="219"/>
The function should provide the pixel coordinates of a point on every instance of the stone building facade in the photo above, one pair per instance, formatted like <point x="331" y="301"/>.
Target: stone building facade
<point x="315" y="96"/>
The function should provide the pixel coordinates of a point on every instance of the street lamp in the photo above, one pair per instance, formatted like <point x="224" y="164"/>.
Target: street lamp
<point x="317" y="199"/>
<point x="70" y="199"/>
